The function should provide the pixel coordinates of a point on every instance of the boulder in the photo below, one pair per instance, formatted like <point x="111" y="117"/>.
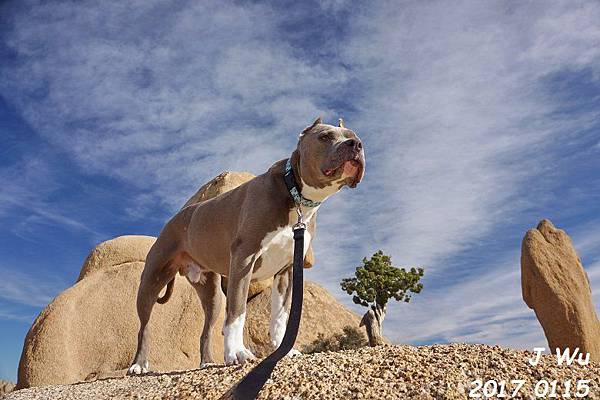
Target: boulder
<point x="555" y="285"/>
<point x="118" y="251"/>
<point x="6" y="386"/>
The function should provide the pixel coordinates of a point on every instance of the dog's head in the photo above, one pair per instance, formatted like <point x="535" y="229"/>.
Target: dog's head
<point x="330" y="155"/>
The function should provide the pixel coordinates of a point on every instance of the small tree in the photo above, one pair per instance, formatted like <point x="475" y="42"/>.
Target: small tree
<point x="377" y="281"/>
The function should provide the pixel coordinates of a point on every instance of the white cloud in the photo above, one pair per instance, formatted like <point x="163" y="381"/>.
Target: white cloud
<point x="12" y="316"/>
<point x="460" y="131"/>
<point x="27" y="186"/>
<point x="164" y="108"/>
<point x="456" y="115"/>
<point x="487" y="309"/>
<point x="22" y="288"/>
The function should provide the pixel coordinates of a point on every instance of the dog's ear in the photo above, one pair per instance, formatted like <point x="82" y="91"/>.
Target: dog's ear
<point x="308" y="128"/>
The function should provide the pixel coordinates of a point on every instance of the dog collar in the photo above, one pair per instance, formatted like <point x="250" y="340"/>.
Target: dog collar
<point x="290" y="182"/>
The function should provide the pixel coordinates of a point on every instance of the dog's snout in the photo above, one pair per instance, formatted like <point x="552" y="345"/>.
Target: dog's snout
<point x="354" y="143"/>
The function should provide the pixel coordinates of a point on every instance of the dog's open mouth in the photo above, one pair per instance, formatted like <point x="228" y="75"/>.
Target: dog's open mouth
<point x="350" y="168"/>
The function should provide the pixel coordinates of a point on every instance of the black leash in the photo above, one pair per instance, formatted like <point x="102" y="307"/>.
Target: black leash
<point x="249" y="387"/>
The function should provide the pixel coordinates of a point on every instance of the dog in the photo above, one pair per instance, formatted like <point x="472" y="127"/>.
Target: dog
<point x="246" y="234"/>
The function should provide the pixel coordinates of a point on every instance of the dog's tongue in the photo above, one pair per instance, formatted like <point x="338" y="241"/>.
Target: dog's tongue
<point x="350" y="168"/>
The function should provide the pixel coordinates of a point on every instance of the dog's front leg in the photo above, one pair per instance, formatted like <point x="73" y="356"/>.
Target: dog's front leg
<point x="240" y="274"/>
<point x="281" y="298"/>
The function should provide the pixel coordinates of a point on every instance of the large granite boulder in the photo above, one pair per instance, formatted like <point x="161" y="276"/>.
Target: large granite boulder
<point x="6" y="386"/>
<point x="555" y="285"/>
<point x="118" y="251"/>
<point x="90" y="330"/>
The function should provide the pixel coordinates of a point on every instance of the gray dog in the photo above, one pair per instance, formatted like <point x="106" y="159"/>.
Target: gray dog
<point x="246" y="234"/>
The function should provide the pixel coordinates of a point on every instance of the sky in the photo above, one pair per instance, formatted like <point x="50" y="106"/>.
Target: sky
<point x="478" y="120"/>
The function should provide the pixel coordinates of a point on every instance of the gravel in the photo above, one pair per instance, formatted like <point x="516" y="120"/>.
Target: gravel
<point x="385" y="372"/>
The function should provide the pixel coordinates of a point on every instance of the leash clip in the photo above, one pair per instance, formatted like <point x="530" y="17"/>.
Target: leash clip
<point x="300" y="224"/>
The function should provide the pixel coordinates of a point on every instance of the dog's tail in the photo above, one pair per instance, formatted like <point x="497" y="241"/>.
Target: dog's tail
<point x="167" y="296"/>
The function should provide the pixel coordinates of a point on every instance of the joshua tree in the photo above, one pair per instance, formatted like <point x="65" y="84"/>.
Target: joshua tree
<point x="377" y="281"/>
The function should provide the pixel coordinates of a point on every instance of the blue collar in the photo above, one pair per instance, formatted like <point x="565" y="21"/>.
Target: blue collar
<point x="290" y="182"/>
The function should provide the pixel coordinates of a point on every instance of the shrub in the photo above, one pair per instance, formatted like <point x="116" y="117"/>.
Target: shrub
<point x="352" y="338"/>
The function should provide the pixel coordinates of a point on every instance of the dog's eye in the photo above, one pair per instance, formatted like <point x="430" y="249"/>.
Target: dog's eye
<point x="324" y="137"/>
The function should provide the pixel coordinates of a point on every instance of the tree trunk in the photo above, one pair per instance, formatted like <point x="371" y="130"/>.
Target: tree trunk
<point x="373" y="321"/>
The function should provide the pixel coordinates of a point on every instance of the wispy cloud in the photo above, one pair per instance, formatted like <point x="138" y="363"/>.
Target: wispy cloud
<point x="163" y="108"/>
<point x="458" y="115"/>
<point x="463" y="134"/>
<point x="26" y="186"/>
<point x="7" y="315"/>
<point x="487" y="308"/>
<point x="22" y="288"/>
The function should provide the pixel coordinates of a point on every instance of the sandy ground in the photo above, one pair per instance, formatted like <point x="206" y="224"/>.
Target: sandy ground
<point x="390" y="372"/>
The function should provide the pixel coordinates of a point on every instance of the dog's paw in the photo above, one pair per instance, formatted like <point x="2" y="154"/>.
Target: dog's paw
<point x="137" y="369"/>
<point x="238" y="357"/>
<point x="208" y="365"/>
<point x="294" y="353"/>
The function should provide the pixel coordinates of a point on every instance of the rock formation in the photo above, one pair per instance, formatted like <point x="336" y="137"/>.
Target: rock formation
<point x="555" y="285"/>
<point x="5" y="386"/>
<point x="90" y="329"/>
<point x="122" y="250"/>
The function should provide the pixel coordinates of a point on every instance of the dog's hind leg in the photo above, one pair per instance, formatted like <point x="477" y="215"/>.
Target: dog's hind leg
<point x="155" y="276"/>
<point x="211" y="296"/>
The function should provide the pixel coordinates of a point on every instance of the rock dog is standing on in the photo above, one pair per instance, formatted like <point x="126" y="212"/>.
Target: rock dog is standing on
<point x="246" y="234"/>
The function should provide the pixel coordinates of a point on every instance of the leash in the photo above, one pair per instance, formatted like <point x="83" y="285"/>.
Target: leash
<point x="249" y="387"/>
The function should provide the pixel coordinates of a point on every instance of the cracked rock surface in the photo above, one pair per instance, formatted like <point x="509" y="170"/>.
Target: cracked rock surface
<point x="389" y="371"/>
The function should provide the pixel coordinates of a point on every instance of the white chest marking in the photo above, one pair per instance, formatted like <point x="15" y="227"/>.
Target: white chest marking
<point x="277" y="247"/>
<point x="277" y="250"/>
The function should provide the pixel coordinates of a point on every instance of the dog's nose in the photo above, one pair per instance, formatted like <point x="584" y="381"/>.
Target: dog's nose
<point x="354" y="143"/>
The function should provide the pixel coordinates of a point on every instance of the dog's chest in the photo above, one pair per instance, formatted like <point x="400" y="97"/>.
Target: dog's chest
<point x="277" y="250"/>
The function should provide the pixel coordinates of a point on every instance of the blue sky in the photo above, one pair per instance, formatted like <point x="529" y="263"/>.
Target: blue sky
<point x="478" y="118"/>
